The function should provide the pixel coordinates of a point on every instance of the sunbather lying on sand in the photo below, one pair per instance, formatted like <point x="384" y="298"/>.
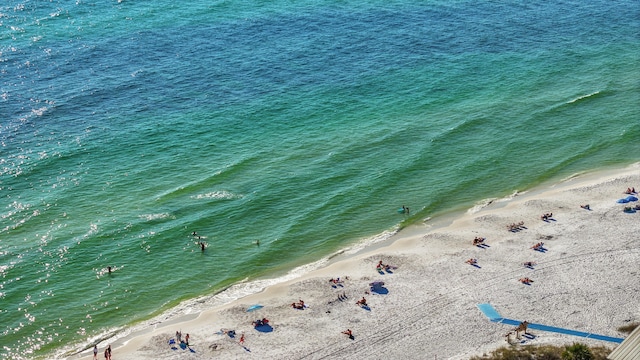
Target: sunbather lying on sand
<point x="348" y="333"/>
<point x="362" y="302"/>
<point x="538" y="246"/>
<point x="298" y="305"/>
<point x="478" y="240"/>
<point x="472" y="261"/>
<point x="526" y="280"/>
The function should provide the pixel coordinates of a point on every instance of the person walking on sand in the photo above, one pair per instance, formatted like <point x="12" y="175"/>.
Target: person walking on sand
<point x="109" y="351"/>
<point x="242" y="339"/>
<point x="95" y="352"/>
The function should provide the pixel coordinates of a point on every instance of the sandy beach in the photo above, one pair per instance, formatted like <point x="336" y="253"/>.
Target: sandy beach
<point x="586" y="278"/>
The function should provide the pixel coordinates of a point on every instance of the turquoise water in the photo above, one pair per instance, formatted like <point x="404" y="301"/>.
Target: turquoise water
<point x="125" y="126"/>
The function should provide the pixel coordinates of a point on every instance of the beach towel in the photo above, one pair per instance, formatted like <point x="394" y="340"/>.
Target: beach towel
<point x="254" y="307"/>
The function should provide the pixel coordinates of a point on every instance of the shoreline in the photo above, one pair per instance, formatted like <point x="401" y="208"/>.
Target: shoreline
<point x="431" y="248"/>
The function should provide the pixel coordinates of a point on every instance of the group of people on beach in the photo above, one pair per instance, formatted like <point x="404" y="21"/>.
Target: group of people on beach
<point x="384" y="267"/>
<point x="479" y="241"/>
<point x="514" y="227"/>
<point x="181" y="340"/>
<point x="260" y="322"/>
<point x="107" y="352"/>
<point x="298" y="305"/>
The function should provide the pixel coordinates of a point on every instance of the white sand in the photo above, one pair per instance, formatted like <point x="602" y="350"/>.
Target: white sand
<point x="588" y="280"/>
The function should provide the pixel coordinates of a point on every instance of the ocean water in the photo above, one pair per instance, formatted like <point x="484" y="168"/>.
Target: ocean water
<point x="127" y="125"/>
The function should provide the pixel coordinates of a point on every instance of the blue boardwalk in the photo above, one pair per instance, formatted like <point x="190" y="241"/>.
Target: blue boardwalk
<point x="493" y="315"/>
